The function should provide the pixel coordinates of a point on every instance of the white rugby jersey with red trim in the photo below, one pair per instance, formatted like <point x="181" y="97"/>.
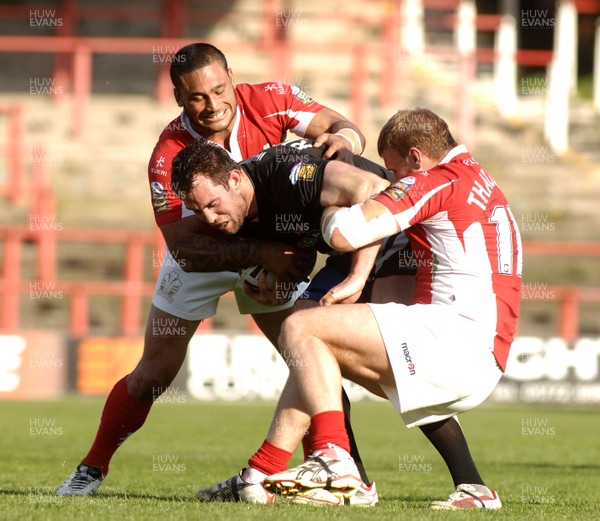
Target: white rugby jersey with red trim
<point x="264" y="114"/>
<point x="465" y="241"/>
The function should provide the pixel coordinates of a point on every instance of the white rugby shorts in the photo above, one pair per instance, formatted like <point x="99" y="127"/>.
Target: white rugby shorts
<point x="442" y="362"/>
<point x="195" y="296"/>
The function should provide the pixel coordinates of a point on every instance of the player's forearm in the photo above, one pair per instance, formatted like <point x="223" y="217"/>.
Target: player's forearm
<point x="351" y="132"/>
<point x="363" y="261"/>
<point x="330" y="128"/>
<point x="349" y="290"/>
<point x="201" y="253"/>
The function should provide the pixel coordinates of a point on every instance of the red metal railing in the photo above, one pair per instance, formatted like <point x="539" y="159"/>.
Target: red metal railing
<point x="74" y="54"/>
<point x="82" y="50"/>
<point x="12" y="148"/>
<point x="73" y="70"/>
<point x="132" y="289"/>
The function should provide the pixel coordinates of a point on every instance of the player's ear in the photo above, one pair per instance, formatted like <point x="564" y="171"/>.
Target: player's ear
<point x="415" y="159"/>
<point x="230" y="75"/>
<point x="235" y="179"/>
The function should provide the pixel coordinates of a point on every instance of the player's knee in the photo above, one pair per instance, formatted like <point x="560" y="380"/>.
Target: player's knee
<point x="147" y="385"/>
<point x="292" y="331"/>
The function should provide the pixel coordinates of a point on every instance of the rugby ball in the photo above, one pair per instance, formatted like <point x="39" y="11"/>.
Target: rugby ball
<point x="251" y="274"/>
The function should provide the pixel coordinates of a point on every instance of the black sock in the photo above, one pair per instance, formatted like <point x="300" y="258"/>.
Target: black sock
<point x="448" y="438"/>
<point x="353" y="447"/>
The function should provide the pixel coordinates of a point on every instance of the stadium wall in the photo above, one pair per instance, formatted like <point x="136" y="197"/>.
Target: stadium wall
<point x="233" y="367"/>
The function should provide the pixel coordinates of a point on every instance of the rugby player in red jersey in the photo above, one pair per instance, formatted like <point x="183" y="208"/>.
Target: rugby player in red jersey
<point x="244" y="119"/>
<point x="433" y="359"/>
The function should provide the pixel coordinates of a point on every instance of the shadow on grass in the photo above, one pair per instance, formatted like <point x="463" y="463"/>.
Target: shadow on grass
<point x="410" y="500"/>
<point x="48" y="495"/>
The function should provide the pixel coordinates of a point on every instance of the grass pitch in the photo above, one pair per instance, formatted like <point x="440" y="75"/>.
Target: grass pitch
<point x="543" y="461"/>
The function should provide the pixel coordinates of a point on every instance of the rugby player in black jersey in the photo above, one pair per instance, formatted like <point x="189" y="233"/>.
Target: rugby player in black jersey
<point x="279" y="195"/>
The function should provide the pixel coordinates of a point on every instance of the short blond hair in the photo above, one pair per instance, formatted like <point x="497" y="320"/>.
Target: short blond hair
<point x="419" y="128"/>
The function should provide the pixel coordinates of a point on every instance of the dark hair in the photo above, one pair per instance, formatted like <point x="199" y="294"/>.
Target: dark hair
<point x="419" y="128"/>
<point x="202" y="157"/>
<point x="193" y="57"/>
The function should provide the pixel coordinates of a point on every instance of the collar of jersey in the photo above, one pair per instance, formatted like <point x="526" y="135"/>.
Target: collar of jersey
<point x="188" y="126"/>
<point x="460" y="149"/>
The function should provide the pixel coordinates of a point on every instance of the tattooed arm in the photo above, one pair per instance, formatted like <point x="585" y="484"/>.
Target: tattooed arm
<point x="203" y="253"/>
<point x="197" y="252"/>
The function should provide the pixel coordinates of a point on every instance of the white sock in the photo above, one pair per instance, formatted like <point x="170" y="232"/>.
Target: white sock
<point x="253" y="476"/>
<point x="333" y="451"/>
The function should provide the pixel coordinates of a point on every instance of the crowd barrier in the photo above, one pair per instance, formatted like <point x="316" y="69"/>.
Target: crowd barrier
<point x="134" y="289"/>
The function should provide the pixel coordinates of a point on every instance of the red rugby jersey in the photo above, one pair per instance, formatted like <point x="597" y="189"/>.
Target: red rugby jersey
<point x="264" y="114"/>
<point x="465" y="241"/>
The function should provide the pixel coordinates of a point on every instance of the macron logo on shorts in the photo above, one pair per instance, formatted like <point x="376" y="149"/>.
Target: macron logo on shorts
<point x="409" y="362"/>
